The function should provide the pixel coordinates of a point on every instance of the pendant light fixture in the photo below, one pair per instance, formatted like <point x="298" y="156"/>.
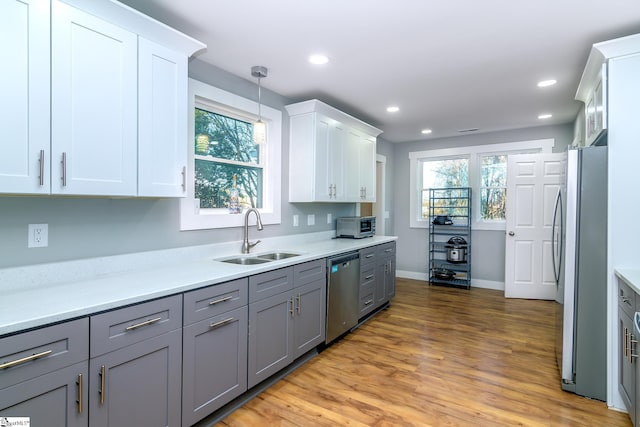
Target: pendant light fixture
<point x="259" y="127"/>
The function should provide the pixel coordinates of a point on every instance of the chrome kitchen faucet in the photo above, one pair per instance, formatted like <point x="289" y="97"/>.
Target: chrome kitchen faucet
<point x="246" y="246"/>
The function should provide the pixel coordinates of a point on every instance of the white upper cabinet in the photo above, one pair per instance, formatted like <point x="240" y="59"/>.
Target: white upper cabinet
<point x="24" y="105"/>
<point x="94" y="100"/>
<point x="94" y="105"/>
<point x="593" y="92"/>
<point x="331" y="155"/>
<point x="162" y="124"/>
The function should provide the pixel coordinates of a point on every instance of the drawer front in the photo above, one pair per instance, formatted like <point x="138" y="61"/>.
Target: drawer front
<point x="119" y="328"/>
<point x="368" y="255"/>
<point x="367" y="299"/>
<point x="367" y="274"/>
<point x="309" y="272"/>
<point x="38" y="352"/>
<point x="270" y="283"/>
<point x="387" y="249"/>
<point x="627" y="298"/>
<point x="214" y="300"/>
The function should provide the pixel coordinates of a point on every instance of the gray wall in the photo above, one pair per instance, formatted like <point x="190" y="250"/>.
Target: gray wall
<point x="387" y="149"/>
<point x="90" y="227"/>
<point x="488" y="246"/>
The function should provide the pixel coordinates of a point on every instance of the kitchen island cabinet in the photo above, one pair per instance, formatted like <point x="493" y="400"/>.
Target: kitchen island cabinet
<point x="43" y="375"/>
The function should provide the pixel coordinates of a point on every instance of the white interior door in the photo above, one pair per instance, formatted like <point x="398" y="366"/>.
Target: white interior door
<point x="533" y="181"/>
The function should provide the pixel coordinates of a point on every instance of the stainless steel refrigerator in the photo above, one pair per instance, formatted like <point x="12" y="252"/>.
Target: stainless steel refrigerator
<point x="580" y="263"/>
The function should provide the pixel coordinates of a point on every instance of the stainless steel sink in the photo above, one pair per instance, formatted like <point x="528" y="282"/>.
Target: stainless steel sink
<point x="274" y="256"/>
<point x="259" y="259"/>
<point x="246" y="260"/>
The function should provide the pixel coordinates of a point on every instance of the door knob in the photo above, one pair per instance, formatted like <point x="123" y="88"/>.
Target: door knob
<point x="511" y="233"/>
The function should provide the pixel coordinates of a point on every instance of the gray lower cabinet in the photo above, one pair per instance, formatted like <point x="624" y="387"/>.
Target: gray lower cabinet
<point x="377" y="276"/>
<point x="627" y="375"/>
<point x="386" y="257"/>
<point x="214" y="354"/>
<point x="58" y="398"/>
<point x="139" y="381"/>
<point x="43" y="374"/>
<point x="288" y="324"/>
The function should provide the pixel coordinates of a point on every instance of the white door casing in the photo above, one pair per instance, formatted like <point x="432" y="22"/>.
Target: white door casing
<point x="533" y="181"/>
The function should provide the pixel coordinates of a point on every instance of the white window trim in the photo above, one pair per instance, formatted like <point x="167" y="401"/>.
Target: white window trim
<point x="191" y="217"/>
<point x="473" y="152"/>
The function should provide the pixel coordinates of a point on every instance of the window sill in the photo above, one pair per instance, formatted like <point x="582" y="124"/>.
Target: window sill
<point x="191" y="220"/>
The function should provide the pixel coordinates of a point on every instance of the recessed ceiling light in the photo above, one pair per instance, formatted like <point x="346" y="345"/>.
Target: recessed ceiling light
<point x="544" y="116"/>
<point x="546" y="83"/>
<point x="393" y="109"/>
<point x="425" y="131"/>
<point x="318" y="59"/>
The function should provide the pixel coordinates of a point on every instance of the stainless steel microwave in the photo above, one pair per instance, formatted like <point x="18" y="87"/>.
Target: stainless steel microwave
<point x="356" y="227"/>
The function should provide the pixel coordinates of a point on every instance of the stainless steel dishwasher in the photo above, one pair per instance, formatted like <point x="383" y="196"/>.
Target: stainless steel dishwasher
<point x="343" y="283"/>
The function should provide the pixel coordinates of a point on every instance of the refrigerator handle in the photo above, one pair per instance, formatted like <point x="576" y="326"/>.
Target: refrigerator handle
<point x="556" y="245"/>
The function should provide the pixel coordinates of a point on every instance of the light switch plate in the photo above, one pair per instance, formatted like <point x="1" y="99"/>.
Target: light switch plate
<point x="329" y="218"/>
<point x="311" y="219"/>
<point x="296" y="220"/>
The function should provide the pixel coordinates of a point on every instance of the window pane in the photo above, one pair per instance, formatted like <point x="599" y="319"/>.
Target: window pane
<point x="214" y="181"/>
<point x="493" y="203"/>
<point x="445" y="173"/>
<point x="225" y="137"/>
<point x="494" y="171"/>
<point x="442" y="174"/>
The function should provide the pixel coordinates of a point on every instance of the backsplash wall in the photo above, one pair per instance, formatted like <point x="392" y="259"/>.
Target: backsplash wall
<point x="82" y="227"/>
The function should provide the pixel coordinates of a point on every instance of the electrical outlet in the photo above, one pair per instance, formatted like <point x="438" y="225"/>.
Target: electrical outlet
<point x="296" y="220"/>
<point x="329" y="218"/>
<point x="311" y="219"/>
<point x="38" y="236"/>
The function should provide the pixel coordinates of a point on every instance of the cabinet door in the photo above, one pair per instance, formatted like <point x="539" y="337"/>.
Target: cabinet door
<point x="94" y="105"/>
<point x="270" y="336"/>
<point x="626" y="373"/>
<point x="352" y="167"/>
<point x="24" y="105"/>
<point x="310" y="315"/>
<point x="338" y="160"/>
<point x="381" y="281"/>
<point x="367" y="158"/>
<point x="214" y="364"/>
<point x="138" y="385"/>
<point x="55" y="399"/>
<point x="387" y="252"/>
<point x="162" y="125"/>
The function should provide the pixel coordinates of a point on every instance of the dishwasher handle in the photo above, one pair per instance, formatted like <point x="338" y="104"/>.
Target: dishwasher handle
<point x="342" y="259"/>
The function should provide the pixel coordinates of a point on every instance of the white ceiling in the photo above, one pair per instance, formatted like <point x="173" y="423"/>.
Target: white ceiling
<point x="448" y="65"/>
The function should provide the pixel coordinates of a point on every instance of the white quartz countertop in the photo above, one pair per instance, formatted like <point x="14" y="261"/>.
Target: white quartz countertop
<point x="630" y="277"/>
<point x="35" y="296"/>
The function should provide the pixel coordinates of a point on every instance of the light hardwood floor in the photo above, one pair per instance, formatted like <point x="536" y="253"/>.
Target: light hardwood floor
<point x="438" y="356"/>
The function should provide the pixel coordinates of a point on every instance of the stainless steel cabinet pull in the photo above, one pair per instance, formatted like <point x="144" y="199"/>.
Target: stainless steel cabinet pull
<point x="299" y="303"/>
<point x="624" y="298"/>
<point x="25" y="359"/>
<point x="141" y="324"/>
<point x="292" y="309"/>
<point x="369" y="277"/>
<point x="103" y="374"/>
<point x="64" y="169"/>
<point x="388" y="250"/>
<point x="369" y="256"/>
<point x="218" y="301"/>
<point x="511" y="233"/>
<point x="41" y="161"/>
<point x="626" y="342"/>
<point x="369" y="302"/>
<point x="184" y="178"/>
<point x="79" y="401"/>
<point x="220" y="323"/>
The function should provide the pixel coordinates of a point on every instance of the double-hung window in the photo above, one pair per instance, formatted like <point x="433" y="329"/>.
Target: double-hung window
<point x="228" y="173"/>
<point x="481" y="167"/>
